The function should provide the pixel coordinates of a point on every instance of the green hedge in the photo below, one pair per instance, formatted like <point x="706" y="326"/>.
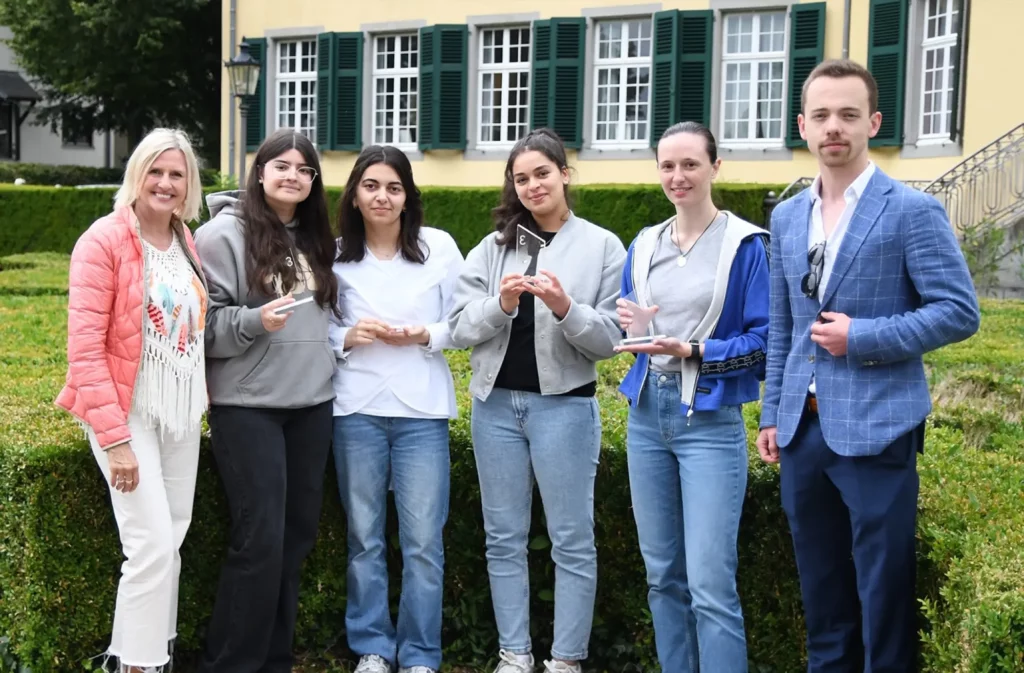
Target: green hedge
<point x="59" y="555"/>
<point x="70" y="176"/>
<point x="42" y="219"/>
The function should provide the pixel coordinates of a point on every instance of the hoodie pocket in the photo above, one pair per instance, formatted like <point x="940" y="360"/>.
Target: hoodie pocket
<point x="290" y="374"/>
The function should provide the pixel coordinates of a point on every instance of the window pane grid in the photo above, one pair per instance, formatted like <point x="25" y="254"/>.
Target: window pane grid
<point x="396" y="90"/>
<point x="504" y="99"/>
<point x="938" y="68"/>
<point x="622" y="83"/>
<point x="296" y="86"/>
<point x="753" y="80"/>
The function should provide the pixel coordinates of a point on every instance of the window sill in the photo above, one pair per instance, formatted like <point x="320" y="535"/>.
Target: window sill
<point x="930" y="149"/>
<point x="592" y="153"/>
<point x="755" y="153"/>
<point x="488" y="152"/>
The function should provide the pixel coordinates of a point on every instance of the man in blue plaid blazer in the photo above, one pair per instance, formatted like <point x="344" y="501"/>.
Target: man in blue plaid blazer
<point x="866" y="277"/>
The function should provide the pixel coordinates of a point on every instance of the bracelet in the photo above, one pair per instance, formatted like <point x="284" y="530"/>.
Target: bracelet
<point x="695" y="351"/>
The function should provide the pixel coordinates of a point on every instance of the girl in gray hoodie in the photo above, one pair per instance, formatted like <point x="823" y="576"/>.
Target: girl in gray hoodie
<point x="269" y="368"/>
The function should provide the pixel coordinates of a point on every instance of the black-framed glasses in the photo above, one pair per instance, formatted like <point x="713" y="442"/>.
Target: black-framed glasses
<point x="816" y="260"/>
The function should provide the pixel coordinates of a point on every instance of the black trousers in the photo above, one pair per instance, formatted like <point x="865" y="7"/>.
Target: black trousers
<point x="272" y="463"/>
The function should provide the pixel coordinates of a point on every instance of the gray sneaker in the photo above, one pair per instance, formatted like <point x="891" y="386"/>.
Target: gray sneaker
<point x="417" y="669"/>
<point x="514" y="663"/>
<point x="371" y="663"/>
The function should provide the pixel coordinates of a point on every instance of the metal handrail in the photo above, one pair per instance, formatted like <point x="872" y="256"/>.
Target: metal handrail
<point x="986" y="187"/>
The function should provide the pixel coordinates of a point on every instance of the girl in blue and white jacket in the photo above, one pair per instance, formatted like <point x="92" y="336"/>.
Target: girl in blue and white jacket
<point x="704" y="275"/>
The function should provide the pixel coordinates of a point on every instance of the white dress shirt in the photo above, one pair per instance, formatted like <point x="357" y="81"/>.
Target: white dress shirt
<point x="816" y="232"/>
<point x="397" y="381"/>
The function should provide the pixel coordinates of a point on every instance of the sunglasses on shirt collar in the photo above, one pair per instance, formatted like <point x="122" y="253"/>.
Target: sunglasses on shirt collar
<point x="816" y="259"/>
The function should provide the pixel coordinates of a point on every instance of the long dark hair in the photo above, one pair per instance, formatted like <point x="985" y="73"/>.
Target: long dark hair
<point x="267" y="244"/>
<point x="511" y="212"/>
<point x="352" y="229"/>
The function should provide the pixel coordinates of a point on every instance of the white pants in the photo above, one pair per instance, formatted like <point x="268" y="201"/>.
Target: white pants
<point x="152" y="521"/>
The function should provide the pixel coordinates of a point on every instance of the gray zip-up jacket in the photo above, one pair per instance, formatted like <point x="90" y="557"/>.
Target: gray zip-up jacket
<point x="588" y="261"/>
<point x="246" y="365"/>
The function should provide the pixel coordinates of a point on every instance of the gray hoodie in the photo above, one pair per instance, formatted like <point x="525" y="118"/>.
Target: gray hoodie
<point x="246" y="365"/>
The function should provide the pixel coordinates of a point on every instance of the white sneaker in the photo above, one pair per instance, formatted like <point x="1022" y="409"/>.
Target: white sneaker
<point x="371" y="663"/>
<point x="561" y="667"/>
<point x="514" y="663"/>
<point x="417" y="669"/>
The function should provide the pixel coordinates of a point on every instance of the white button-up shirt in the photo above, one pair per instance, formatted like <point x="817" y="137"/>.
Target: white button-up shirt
<point x="816" y="231"/>
<point x="399" y="381"/>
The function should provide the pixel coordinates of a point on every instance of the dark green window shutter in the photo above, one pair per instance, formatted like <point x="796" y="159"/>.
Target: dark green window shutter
<point x="695" y="65"/>
<point x="326" y="64"/>
<point x="806" y="51"/>
<point x="540" y="84"/>
<point x="443" y="65"/>
<point x="682" y="69"/>
<point x="256" y="105"/>
<point x="428" y="112"/>
<point x="348" y="92"/>
<point x="887" y="61"/>
<point x="955" y="123"/>
<point x="557" y="88"/>
<point x="664" y="79"/>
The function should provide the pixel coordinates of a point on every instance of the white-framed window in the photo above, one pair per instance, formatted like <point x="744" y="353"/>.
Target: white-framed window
<point x="296" y="86"/>
<point x="396" y="61"/>
<point x="622" y="83"/>
<point x="939" y="68"/>
<point x="753" y="78"/>
<point x="504" y="79"/>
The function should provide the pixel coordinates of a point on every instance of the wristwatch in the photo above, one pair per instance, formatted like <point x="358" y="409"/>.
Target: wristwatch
<point x="695" y="351"/>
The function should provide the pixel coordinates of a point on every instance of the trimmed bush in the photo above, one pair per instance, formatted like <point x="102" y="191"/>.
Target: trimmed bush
<point x="41" y="219"/>
<point x="59" y="554"/>
<point x="71" y="176"/>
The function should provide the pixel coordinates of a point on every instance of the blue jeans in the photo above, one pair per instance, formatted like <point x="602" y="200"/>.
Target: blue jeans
<point x="517" y="437"/>
<point x="410" y="454"/>
<point x="688" y="477"/>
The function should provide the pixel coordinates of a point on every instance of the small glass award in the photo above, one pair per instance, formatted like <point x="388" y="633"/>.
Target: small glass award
<point x="528" y="245"/>
<point x="640" y="323"/>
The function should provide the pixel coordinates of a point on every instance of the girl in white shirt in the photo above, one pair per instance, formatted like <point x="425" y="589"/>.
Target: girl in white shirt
<point x="395" y="395"/>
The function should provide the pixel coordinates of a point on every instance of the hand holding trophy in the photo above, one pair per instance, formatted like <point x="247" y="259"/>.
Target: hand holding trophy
<point x="636" y="320"/>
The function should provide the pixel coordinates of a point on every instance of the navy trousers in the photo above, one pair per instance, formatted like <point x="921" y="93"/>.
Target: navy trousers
<point x="853" y="522"/>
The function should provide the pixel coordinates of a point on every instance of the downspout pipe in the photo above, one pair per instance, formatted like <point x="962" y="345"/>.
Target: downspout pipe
<point x="846" y="28"/>
<point x="232" y="21"/>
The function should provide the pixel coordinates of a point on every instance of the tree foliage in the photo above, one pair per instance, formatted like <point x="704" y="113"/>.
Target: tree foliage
<point x="122" y="65"/>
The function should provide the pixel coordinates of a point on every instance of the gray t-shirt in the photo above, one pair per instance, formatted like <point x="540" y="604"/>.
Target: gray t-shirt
<point x="683" y="293"/>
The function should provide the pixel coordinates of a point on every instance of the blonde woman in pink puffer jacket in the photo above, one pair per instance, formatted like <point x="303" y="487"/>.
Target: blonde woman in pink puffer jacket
<point x="137" y="302"/>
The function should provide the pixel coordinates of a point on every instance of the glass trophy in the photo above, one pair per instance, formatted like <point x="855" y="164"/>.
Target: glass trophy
<point x="528" y="245"/>
<point x="640" y="327"/>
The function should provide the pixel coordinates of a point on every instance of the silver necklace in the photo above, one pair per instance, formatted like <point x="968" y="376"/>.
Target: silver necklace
<point x="681" y="260"/>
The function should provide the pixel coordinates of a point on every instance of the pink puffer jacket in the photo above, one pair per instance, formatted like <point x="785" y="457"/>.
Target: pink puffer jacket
<point x="106" y="292"/>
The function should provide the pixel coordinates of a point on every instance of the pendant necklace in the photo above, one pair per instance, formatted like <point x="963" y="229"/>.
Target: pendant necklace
<point x="681" y="260"/>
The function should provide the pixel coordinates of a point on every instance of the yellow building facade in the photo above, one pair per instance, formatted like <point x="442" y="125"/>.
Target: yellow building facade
<point x="455" y="83"/>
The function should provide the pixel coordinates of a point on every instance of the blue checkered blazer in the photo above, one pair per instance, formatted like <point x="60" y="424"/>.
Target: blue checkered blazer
<point x="900" y="276"/>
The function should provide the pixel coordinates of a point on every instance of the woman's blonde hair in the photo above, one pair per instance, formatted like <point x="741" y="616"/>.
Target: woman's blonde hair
<point x="152" y="146"/>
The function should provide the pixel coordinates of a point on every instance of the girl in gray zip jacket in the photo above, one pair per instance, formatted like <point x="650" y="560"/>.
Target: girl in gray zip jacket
<point x="538" y="317"/>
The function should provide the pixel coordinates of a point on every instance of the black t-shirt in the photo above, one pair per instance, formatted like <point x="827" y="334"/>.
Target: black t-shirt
<point x="519" y="368"/>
